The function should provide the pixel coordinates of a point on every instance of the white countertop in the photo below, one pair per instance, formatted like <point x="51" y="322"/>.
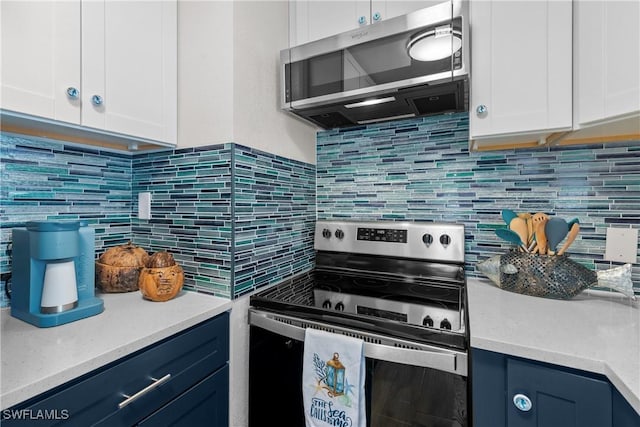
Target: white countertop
<point x="37" y="359"/>
<point x="595" y="331"/>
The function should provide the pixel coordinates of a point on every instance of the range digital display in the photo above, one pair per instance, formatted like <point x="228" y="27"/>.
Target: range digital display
<point x="382" y="235"/>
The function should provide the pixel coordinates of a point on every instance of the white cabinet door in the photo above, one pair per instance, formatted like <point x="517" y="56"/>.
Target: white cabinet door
<point x="129" y="68"/>
<point x="316" y="19"/>
<point x="41" y="58"/>
<point x="387" y="9"/>
<point x="607" y="65"/>
<point x="521" y="75"/>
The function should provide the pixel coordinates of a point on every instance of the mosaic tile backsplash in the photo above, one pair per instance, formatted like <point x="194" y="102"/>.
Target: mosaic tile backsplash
<point x="190" y="212"/>
<point x="193" y="206"/>
<point x="274" y="218"/>
<point x="421" y="169"/>
<point x="50" y="180"/>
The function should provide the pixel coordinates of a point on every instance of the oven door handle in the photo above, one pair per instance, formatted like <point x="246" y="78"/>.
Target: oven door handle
<point x="436" y="358"/>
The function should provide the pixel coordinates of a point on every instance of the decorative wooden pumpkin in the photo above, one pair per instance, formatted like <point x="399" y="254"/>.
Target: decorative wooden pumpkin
<point x="162" y="279"/>
<point x="118" y="269"/>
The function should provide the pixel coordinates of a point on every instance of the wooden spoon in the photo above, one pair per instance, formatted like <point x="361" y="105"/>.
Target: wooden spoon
<point x="519" y="226"/>
<point x="528" y="219"/>
<point x="539" y="223"/>
<point x="573" y="232"/>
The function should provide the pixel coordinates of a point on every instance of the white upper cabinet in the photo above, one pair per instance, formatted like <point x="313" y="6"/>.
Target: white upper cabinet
<point x="606" y="67"/>
<point x="521" y="73"/>
<point x="315" y="19"/>
<point x="108" y="66"/>
<point x="40" y="63"/>
<point x="129" y="68"/>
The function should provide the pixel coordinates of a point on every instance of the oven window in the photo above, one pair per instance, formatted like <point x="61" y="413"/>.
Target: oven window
<point x="397" y="395"/>
<point x="405" y="395"/>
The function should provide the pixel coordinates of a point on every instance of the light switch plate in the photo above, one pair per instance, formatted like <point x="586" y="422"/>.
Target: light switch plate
<point x="144" y="205"/>
<point x="622" y="245"/>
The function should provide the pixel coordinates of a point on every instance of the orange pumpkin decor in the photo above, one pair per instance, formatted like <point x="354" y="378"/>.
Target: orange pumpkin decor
<point x="162" y="278"/>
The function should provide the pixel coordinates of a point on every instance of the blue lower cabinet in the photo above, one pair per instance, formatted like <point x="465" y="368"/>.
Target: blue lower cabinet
<point x="206" y="404"/>
<point x="509" y="391"/>
<point x="181" y="380"/>
<point x="541" y="396"/>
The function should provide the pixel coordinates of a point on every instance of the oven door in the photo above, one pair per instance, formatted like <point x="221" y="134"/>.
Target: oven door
<point x="401" y="388"/>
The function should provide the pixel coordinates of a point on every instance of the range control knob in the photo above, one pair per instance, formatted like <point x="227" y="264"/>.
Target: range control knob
<point x="445" y="324"/>
<point x="339" y="306"/>
<point x="326" y="233"/>
<point x="427" y="321"/>
<point x="326" y="304"/>
<point x="427" y="239"/>
<point x="445" y="239"/>
<point x="339" y="234"/>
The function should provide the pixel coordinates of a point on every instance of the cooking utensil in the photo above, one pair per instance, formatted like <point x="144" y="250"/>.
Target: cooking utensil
<point x="573" y="221"/>
<point x="528" y="219"/>
<point x="510" y="236"/>
<point x="556" y="230"/>
<point x="539" y="221"/>
<point x="519" y="226"/>
<point x="508" y="215"/>
<point x="573" y="233"/>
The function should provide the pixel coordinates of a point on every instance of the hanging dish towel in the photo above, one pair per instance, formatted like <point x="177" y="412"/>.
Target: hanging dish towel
<point x="333" y="380"/>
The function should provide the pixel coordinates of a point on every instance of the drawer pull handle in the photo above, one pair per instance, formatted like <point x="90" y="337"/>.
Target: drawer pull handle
<point x="156" y="382"/>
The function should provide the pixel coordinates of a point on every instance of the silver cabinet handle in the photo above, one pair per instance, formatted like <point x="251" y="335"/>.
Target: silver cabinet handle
<point x="362" y="20"/>
<point x="481" y="109"/>
<point x="97" y="100"/>
<point x="522" y="402"/>
<point x="377" y="16"/>
<point x="147" y="389"/>
<point x="73" y="93"/>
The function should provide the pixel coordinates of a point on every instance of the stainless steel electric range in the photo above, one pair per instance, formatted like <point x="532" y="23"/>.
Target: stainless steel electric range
<point x="399" y="286"/>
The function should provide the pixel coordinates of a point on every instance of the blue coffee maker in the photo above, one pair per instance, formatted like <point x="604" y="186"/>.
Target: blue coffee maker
<point x="53" y="273"/>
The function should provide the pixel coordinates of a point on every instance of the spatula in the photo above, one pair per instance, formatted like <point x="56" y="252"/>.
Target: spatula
<point x="573" y="232"/>
<point x="556" y="230"/>
<point x="508" y="215"/>
<point x="510" y="236"/>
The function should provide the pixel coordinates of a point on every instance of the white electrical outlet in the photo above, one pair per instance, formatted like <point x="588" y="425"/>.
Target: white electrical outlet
<point x="144" y="205"/>
<point x="622" y="245"/>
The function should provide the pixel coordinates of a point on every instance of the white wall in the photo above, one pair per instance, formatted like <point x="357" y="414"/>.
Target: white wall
<point x="228" y="78"/>
<point x="205" y="72"/>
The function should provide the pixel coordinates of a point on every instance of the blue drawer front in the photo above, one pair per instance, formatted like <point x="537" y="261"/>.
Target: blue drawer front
<point x="93" y="399"/>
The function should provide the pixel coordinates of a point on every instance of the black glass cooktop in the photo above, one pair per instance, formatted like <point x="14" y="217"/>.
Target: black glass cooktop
<point x="295" y="297"/>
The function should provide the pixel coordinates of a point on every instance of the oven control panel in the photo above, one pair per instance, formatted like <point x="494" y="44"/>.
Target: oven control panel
<point x="417" y="240"/>
<point x="382" y="235"/>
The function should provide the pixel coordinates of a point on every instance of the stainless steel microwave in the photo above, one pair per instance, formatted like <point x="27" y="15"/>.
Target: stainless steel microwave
<point x="408" y="66"/>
